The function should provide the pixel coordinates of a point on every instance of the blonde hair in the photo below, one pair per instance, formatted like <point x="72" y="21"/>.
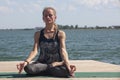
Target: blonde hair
<point x="46" y="8"/>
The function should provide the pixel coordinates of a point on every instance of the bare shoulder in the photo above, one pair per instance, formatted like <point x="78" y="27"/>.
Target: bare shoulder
<point x="37" y="34"/>
<point x="61" y="34"/>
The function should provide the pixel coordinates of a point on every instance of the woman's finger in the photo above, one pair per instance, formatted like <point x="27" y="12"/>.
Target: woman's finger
<point x="73" y="68"/>
<point x="21" y="67"/>
<point x="18" y="66"/>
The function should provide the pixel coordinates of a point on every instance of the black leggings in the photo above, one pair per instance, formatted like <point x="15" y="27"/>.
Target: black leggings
<point x="36" y="68"/>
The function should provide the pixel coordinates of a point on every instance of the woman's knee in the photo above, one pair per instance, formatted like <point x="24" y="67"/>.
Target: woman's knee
<point x="29" y="69"/>
<point x="59" y="72"/>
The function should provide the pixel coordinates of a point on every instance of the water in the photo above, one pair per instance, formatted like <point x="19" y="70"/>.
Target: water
<point x="84" y="44"/>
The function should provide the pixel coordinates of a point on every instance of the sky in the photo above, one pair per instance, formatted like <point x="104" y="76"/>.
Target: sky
<point x="17" y="14"/>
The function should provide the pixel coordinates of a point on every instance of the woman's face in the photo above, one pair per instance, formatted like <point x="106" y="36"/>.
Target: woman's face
<point x="49" y="16"/>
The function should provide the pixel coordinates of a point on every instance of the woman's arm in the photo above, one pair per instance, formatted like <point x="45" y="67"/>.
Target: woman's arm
<point x="63" y="51"/>
<point x="71" y="68"/>
<point x="32" y="54"/>
<point x="62" y="37"/>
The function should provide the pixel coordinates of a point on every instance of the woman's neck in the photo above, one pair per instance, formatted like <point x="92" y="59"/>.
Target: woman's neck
<point x="50" y="28"/>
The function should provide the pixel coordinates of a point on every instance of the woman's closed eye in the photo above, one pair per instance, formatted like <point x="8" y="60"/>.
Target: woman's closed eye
<point x="49" y="15"/>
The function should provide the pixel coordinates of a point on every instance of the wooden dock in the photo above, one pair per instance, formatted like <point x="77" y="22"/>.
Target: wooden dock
<point x="86" y="70"/>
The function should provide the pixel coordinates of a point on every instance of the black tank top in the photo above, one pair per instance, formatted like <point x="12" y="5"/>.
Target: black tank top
<point x="49" y="49"/>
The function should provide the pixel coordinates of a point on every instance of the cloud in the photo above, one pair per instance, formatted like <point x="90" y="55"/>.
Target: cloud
<point x="91" y="2"/>
<point x="97" y="3"/>
<point x="11" y="2"/>
<point x="5" y="9"/>
<point x="116" y="3"/>
<point x="71" y="8"/>
<point x="32" y="6"/>
<point x="9" y="6"/>
<point x="5" y="6"/>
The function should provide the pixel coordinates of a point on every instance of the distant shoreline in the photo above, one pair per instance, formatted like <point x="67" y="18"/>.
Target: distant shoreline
<point x="69" y="27"/>
<point x="66" y="29"/>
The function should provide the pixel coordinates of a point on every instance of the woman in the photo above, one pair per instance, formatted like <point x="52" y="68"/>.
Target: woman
<point x="53" y="59"/>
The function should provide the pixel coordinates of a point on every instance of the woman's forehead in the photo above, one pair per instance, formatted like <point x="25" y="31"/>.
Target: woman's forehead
<point x="48" y="11"/>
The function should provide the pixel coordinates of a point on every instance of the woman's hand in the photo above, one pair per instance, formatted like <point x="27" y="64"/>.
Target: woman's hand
<point x="71" y="69"/>
<point x="20" y="66"/>
<point x="54" y="64"/>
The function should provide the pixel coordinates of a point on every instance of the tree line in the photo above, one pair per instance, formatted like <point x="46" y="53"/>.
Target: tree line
<point x="86" y="27"/>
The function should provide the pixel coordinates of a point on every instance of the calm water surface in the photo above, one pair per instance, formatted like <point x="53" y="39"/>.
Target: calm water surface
<point x="84" y="44"/>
